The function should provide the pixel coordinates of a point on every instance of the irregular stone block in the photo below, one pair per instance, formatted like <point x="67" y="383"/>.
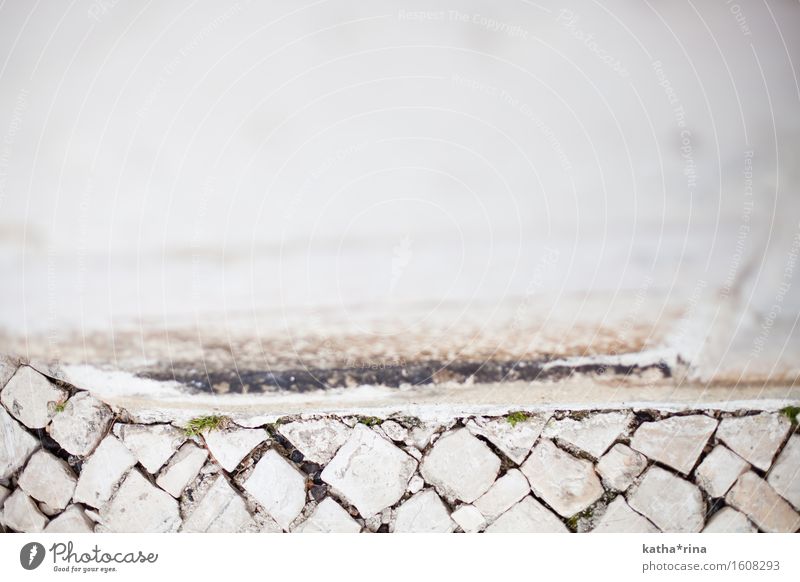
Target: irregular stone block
<point x="278" y="487"/>
<point x="514" y="440"/>
<point x="152" y="445"/>
<point x="460" y="466"/>
<point x="329" y="517"/>
<point x="82" y="424"/>
<point x="755" y="438"/>
<point x="103" y="471"/>
<point x="469" y="518"/>
<point x="21" y="514"/>
<point x="369" y="471"/>
<point x="728" y="520"/>
<point x="230" y="446"/>
<point x="671" y="503"/>
<point x="620" y="466"/>
<point x="140" y="507"/>
<point x="528" y="516"/>
<point x="676" y="441"/>
<point x="73" y="520"/>
<point x="423" y="513"/>
<point x="620" y="518"/>
<point x="719" y="470"/>
<point x="31" y="398"/>
<point x="221" y="510"/>
<point x="757" y="500"/>
<point x="504" y="493"/>
<point x="318" y="439"/>
<point x="785" y="474"/>
<point x="16" y="445"/>
<point x="394" y="431"/>
<point x="181" y="469"/>
<point x="48" y="479"/>
<point x="568" y="484"/>
<point x="592" y="434"/>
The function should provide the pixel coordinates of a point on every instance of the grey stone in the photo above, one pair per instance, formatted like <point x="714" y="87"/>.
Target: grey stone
<point x="728" y="520"/>
<point x="620" y="466"/>
<point x="369" y="471"/>
<point x="719" y="470"/>
<point x="469" y="519"/>
<point x="16" y="445"/>
<point x="221" y="510"/>
<point x="755" y="438"/>
<point x="230" y="446"/>
<point x="181" y="469"/>
<point x="394" y="431"/>
<point x="48" y="479"/>
<point x="784" y="477"/>
<point x="757" y="500"/>
<point x="415" y="484"/>
<point x="592" y="434"/>
<point x="515" y="440"/>
<point x="460" y="466"/>
<point x="82" y="424"/>
<point x="527" y="516"/>
<point x="329" y="517"/>
<point x="152" y="445"/>
<point x="103" y="471"/>
<point x="31" y="398"/>
<point x="317" y="439"/>
<point x="677" y="441"/>
<point x="423" y="513"/>
<point x="504" y="493"/>
<point x="568" y="484"/>
<point x="672" y="504"/>
<point x="278" y="487"/>
<point x="21" y="514"/>
<point x="620" y="518"/>
<point x="8" y="368"/>
<point x="73" y="520"/>
<point x="140" y="507"/>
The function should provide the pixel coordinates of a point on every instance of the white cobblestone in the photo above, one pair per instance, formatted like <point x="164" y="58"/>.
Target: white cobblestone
<point x="677" y="441"/>
<point x="221" y="510"/>
<point x="592" y="434"/>
<point x="755" y="438"/>
<point x="8" y="368"/>
<point x="728" y="520"/>
<point x="369" y="471"/>
<point x="48" y="479"/>
<point x="514" y="440"/>
<point x="139" y="506"/>
<point x="460" y="466"/>
<point x="16" y="445"/>
<point x="785" y="473"/>
<point x="278" y="487"/>
<point x="317" y="439"/>
<point x="568" y="484"/>
<point x="620" y="518"/>
<point x="230" y="446"/>
<point x="152" y="445"/>
<point x="469" y="518"/>
<point x="527" y="516"/>
<point x="329" y="517"/>
<point x="102" y="472"/>
<point x="31" y="398"/>
<point x="73" y="520"/>
<point x="672" y="504"/>
<point x="719" y="471"/>
<point x="21" y="514"/>
<point x="757" y="500"/>
<point x="415" y="484"/>
<point x="394" y="431"/>
<point x="182" y="468"/>
<point x="620" y="466"/>
<point x="504" y="493"/>
<point x="82" y="424"/>
<point x="425" y="512"/>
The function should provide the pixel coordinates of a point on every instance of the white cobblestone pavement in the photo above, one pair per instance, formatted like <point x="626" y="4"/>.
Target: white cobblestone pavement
<point x="71" y="463"/>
